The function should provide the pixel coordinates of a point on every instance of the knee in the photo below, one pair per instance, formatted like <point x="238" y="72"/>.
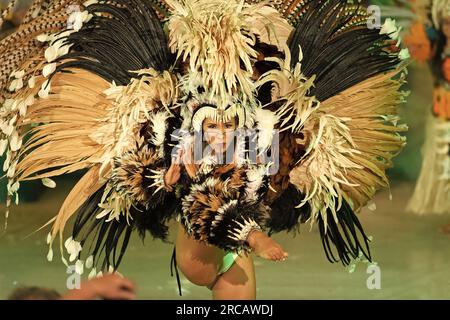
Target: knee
<point x="200" y="274"/>
<point x="203" y="278"/>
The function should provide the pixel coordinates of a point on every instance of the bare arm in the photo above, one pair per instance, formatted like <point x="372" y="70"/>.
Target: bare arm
<point x="109" y="287"/>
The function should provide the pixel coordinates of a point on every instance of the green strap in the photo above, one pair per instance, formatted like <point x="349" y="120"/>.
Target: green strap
<point x="228" y="260"/>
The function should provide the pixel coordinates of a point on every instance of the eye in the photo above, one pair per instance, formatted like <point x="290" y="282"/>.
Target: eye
<point x="229" y="125"/>
<point x="211" y="126"/>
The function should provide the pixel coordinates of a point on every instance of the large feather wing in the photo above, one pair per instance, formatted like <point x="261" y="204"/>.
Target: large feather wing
<point x="336" y="94"/>
<point x="85" y="96"/>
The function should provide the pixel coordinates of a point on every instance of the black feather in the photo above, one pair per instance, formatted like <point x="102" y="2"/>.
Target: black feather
<point x="219" y="235"/>
<point x="284" y="215"/>
<point x="347" y="237"/>
<point x="129" y="38"/>
<point x="338" y="54"/>
<point x="155" y="220"/>
<point x="105" y="236"/>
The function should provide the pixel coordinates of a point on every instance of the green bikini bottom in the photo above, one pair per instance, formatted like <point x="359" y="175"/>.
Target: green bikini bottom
<point x="227" y="261"/>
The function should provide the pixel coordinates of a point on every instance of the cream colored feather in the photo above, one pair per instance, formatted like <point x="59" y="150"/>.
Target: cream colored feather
<point x="70" y="114"/>
<point x="352" y="138"/>
<point x="217" y="37"/>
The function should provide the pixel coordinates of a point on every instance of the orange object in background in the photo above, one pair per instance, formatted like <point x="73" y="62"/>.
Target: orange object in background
<point x="446" y="69"/>
<point x="441" y="103"/>
<point x="418" y="43"/>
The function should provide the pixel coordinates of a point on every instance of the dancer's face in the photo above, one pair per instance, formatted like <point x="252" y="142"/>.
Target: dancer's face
<point x="219" y="134"/>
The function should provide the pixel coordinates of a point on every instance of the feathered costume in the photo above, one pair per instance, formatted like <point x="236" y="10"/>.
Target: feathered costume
<point x="432" y="191"/>
<point x="127" y="81"/>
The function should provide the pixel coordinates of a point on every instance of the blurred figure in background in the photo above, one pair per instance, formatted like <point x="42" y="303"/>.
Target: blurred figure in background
<point x="34" y="293"/>
<point x="429" y="41"/>
<point x="107" y="287"/>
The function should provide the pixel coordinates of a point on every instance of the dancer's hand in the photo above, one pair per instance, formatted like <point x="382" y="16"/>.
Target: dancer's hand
<point x="265" y="247"/>
<point x="187" y="158"/>
<point x="173" y="173"/>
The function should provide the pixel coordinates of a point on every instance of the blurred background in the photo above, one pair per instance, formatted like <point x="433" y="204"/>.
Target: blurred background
<point x="413" y="256"/>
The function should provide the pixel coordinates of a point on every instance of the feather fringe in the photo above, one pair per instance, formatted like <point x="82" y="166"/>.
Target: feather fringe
<point x="218" y="38"/>
<point x="292" y="89"/>
<point x="352" y="139"/>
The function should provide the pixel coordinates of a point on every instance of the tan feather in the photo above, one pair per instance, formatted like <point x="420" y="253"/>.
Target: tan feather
<point x="365" y="136"/>
<point x="86" y="186"/>
<point x="72" y="112"/>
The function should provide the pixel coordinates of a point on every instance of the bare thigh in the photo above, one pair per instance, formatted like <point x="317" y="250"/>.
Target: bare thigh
<point x="238" y="283"/>
<point x="198" y="262"/>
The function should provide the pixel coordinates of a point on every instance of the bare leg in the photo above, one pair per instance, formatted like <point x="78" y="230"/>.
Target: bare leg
<point x="198" y="262"/>
<point x="238" y="283"/>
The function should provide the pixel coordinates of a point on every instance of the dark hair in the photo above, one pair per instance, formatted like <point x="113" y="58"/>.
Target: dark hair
<point x="34" y="293"/>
